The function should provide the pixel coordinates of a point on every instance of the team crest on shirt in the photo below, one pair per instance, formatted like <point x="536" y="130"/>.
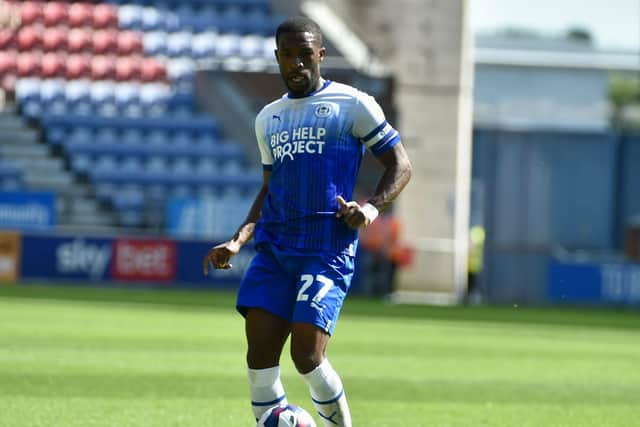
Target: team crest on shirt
<point x="323" y="110"/>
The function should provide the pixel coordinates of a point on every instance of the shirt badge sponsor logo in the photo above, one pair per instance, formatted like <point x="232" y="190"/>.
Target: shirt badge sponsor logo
<point x="323" y="110"/>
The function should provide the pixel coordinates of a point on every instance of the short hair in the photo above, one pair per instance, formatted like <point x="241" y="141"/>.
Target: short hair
<point x="299" y="24"/>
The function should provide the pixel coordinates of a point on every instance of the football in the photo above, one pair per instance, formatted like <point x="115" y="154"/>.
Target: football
<point x="286" y="416"/>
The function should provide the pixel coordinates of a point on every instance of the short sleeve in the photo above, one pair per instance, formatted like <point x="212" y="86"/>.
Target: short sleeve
<point x="266" y="156"/>
<point x="370" y="126"/>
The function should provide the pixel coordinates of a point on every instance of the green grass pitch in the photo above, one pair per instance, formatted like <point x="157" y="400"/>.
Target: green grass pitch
<point x="77" y="356"/>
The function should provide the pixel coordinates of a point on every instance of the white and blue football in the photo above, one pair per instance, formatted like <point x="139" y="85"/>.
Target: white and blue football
<point x="286" y="416"/>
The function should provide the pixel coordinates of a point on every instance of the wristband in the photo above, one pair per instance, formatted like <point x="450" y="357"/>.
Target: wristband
<point x="370" y="212"/>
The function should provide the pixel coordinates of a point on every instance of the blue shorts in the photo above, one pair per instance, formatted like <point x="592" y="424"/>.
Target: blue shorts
<point x="298" y="287"/>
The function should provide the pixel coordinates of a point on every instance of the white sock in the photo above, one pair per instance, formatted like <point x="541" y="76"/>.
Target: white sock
<point x="328" y="395"/>
<point x="266" y="389"/>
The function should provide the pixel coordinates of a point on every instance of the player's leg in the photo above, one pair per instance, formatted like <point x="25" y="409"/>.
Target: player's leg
<point x="308" y="351"/>
<point x="320" y="294"/>
<point x="265" y="300"/>
<point x="266" y="335"/>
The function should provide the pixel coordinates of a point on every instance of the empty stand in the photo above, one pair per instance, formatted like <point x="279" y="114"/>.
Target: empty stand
<point x="111" y="86"/>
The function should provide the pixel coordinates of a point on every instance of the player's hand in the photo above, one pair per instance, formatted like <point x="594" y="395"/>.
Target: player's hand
<point x="219" y="256"/>
<point x="351" y="212"/>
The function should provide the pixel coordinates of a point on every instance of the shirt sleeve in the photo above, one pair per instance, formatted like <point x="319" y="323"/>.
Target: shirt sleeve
<point x="265" y="151"/>
<point x="371" y="127"/>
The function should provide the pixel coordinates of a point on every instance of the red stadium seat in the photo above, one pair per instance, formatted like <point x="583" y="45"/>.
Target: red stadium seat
<point x="104" y="41"/>
<point x="7" y="39"/>
<point x="54" y="13"/>
<point x="54" y="38"/>
<point x="77" y="66"/>
<point x="30" y="12"/>
<point x="78" y="40"/>
<point x="28" y="64"/>
<point x="29" y="38"/>
<point x="129" y="42"/>
<point x="8" y="59"/>
<point x="152" y="70"/>
<point x="105" y="15"/>
<point x="52" y="65"/>
<point x="79" y="14"/>
<point x="102" y="67"/>
<point x="128" y="68"/>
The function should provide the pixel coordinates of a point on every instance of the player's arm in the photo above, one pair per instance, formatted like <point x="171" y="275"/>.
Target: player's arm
<point x="220" y="255"/>
<point x="396" y="175"/>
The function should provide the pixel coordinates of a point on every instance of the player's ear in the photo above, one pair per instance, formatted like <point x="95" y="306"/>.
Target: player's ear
<point x="275" y="52"/>
<point x="322" y="52"/>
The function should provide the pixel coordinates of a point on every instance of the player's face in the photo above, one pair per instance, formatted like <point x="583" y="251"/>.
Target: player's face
<point x="299" y="56"/>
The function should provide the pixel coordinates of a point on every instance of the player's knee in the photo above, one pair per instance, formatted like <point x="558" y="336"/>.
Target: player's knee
<point x="306" y="359"/>
<point x="262" y="357"/>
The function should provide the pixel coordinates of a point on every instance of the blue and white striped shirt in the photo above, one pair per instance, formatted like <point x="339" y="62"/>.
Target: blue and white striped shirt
<point x="313" y="147"/>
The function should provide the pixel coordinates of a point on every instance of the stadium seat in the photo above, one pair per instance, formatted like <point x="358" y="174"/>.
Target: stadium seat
<point x="179" y="44"/>
<point x="129" y="42"/>
<point x="105" y="164"/>
<point x="181" y="70"/>
<point x="206" y="166"/>
<point x="54" y="39"/>
<point x="152" y="19"/>
<point x="28" y="64"/>
<point x="79" y="40"/>
<point x="156" y="164"/>
<point x="182" y="166"/>
<point x="155" y="43"/>
<point x="126" y="99"/>
<point x="102" y="67"/>
<point x="104" y="15"/>
<point x="29" y="39"/>
<point x="7" y="40"/>
<point x="157" y="138"/>
<point x="30" y="12"/>
<point x="104" y="41"/>
<point x="251" y="46"/>
<point x="132" y="137"/>
<point x="8" y="61"/>
<point x="151" y="70"/>
<point x="77" y="66"/>
<point x="52" y="65"/>
<point x="78" y="135"/>
<point x="153" y="98"/>
<point x="79" y="14"/>
<point x="227" y="45"/>
<point x="203" y="45"/>
<point x="130" y="16"/>
<point x="129" y="197"/>
<point x="102" y="95"/>
<point x="54" y="13"/>
<point x="77" y="94"/>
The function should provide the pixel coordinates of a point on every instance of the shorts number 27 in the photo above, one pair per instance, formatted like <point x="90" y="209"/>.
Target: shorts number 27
<point x="307" y="281"/>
